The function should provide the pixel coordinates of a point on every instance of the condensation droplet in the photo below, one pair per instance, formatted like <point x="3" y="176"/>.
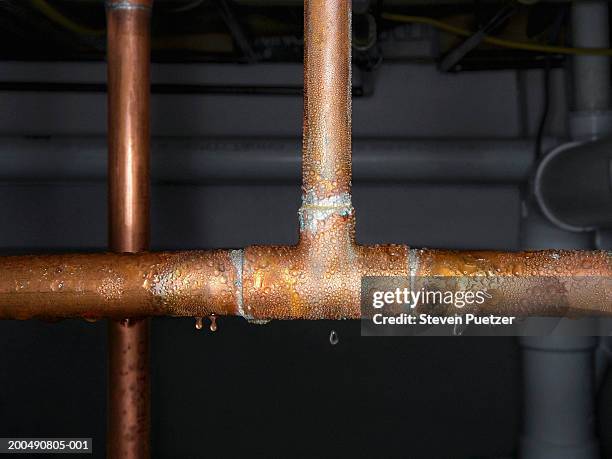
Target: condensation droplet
<point x="333" y="338"/>
<point x="198" y="323"/>
<point x="213" y="323"/>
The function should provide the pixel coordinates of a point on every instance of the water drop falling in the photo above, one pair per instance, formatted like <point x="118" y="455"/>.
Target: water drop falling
<point x="198" y="323"/>
<point x="459" y="328"/>
<point x="333" y="338"/>
<point x="213" y="323"/>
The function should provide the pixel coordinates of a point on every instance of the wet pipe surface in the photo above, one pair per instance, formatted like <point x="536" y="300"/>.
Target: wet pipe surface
<point x="320" y="278"/>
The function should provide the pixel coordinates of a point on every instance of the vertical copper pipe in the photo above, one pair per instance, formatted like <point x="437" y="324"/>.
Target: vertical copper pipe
<point x="327" y="99"/>
<point x="128" y="125"/>
<point x="128" y="50"/>
<point x="327" y="217"/>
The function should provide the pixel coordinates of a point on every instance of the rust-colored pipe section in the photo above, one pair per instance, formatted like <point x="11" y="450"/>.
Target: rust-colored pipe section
<point x="128" y="49"/>
<point x="320" y="278"/>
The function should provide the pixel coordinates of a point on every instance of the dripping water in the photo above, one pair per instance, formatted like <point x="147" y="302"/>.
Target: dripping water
<point x="213" y="323"/>
<point x="458" y="329"/>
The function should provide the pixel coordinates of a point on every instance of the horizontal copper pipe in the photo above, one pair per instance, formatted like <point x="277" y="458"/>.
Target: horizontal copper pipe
<point x="280" y="282"/>
<point x="117" y="285"/>
<point x="545" y="283"/>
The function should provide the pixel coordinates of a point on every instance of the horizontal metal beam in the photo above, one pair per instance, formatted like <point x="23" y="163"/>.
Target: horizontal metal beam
<point x="204" y="160"/>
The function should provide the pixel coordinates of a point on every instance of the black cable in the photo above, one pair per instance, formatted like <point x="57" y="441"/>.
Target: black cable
<point x="545" y="109"/>
<point x="526" y="189"/>
<point x="552" y="39"/>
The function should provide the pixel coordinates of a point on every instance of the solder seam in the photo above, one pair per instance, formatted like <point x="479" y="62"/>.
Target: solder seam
<point x="413" y="266"/>
<point x="126" y="5"/>
<point x="237" y="258"/>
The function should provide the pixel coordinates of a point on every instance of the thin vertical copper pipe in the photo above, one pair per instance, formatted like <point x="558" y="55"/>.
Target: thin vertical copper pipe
<point x="129" y="46"/>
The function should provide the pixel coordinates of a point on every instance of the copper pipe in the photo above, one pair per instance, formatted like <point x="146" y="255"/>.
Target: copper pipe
<point x="327" y="99"/>
<point x="541" y="283"/>
<point x="99" y="286"/>
<point x="128" y="48"/>
<point x="320" y="277"/>
<point x="282" y="282"/>
<point x="128" y="389"/>
<point x="128" y="124"/>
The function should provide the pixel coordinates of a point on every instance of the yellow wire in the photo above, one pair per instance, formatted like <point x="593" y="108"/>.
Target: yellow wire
<point x="65" y="21"/>
<point x="69" y="24"/>
<point x="498" y="41"/>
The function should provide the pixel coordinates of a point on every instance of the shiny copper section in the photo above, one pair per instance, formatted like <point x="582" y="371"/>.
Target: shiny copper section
<point x="327" y="98"/>
<point x="118" y="285"/>
<point x="128" y="52"/>
<point x="128" y="126"/>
